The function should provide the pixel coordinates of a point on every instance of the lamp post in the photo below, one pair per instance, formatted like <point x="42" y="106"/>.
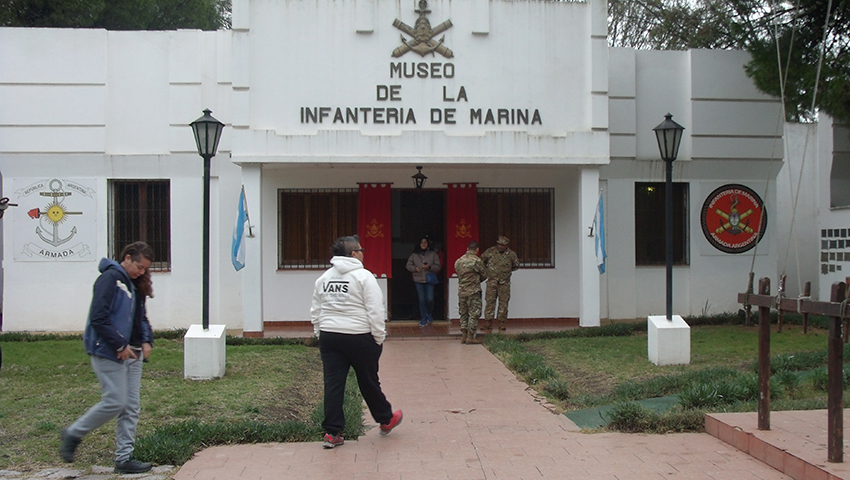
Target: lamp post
<point x="419" y="178"/>
<point x="669" y="136"/>
<point x="207" y="132"/>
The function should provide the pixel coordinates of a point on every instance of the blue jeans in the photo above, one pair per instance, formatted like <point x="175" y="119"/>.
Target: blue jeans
<point x="425" y="291"/>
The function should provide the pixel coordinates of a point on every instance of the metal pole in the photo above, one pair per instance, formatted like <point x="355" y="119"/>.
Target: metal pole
<point x="206" y="279"/>
<point x="669" y="222"/>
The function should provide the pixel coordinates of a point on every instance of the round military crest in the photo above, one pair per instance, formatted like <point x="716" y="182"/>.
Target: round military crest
<point x="733" y="218"/>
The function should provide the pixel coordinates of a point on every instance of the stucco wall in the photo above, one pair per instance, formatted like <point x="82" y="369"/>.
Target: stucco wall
<point x="733" y="134"/>
<point x="113" y="105"/>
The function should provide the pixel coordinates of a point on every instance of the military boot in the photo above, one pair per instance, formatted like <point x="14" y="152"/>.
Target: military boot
<point x="464" y="335"/>
<point x="502" y="327"/>
<point x="488" y="326"/>
<point x="473" y="339"/>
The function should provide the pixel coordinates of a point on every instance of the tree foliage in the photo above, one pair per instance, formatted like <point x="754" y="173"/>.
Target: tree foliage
<point x="117" y="14"/>
<point x="791" y="43"/>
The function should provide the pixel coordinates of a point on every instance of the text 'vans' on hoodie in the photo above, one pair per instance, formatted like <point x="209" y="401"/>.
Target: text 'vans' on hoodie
<point x="347" y="299"/>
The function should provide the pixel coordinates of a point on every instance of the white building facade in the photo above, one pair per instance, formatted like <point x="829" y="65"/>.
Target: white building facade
<point x="330" y="106"/>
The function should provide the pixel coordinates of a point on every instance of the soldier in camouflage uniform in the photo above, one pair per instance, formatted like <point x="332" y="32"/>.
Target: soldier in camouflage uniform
<point x="499" y="262"/>
<point x="470" y="274"/>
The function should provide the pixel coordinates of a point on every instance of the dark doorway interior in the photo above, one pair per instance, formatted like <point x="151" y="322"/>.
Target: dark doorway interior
<point x="416" y="213"/>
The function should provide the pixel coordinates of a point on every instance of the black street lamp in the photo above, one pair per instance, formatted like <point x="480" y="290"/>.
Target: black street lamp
<point x="419" y="178"/>
<point x="669" y="136"/>
<point x="207" y="135"/>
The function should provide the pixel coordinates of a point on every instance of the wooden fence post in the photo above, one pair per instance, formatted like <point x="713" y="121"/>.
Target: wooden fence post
<point x="807" y="292"/>
<point x="835" y="378"/>
<point x="764" y="359"/>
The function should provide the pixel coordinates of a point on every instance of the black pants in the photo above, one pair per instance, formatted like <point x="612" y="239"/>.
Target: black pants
<point x="339" y="353"/>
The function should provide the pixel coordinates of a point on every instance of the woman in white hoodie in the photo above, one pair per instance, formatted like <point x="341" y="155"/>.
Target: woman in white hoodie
<point x="349" y="318"/>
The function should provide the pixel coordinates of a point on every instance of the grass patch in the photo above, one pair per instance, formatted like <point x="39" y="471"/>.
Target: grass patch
<point x="595" y="367"/>
<point x="271" y="391"/>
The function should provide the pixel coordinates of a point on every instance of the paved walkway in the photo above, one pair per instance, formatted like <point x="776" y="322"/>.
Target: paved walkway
<point x="466" y="416"/>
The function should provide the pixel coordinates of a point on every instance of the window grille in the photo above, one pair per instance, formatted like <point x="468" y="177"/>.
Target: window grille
<point x="309" y="221"/>
<point x="140" y="210"/>
<point x="526" y="216"/>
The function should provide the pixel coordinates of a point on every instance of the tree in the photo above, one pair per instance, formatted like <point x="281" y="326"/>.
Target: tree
<point x="810" y="45"/>
<point x="785" y="40"/>
<point x="117" y="14"/>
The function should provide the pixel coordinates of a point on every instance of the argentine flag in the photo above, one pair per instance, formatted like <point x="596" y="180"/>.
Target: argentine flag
<point x="237" y="248"/>
<point x="599" y="239"/>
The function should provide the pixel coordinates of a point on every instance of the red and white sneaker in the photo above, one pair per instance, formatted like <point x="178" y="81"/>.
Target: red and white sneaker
<point x="386" y="428"/>
<point x="333" y="441"/>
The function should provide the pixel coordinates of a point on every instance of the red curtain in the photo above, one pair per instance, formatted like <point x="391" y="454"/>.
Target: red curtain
<point x="374" y="227"/>
<point x="461" y="221"/>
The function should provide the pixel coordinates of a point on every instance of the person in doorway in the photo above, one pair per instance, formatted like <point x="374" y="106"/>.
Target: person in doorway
<point x="499" y="263"/>
<point x="422" y="261"/>
<point x="118" y="338"/>
<point x="470" y="274"/>
<point x="349" y="319"/>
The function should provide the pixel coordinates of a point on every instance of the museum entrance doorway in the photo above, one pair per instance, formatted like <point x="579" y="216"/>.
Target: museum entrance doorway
<point x="415" y="214"/>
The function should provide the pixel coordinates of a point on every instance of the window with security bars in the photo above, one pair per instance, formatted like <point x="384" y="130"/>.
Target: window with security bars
<point x="650" y="224"/>
<point x="525" y="216"/>
<point x="310" y="220"/>
<point x="140" y="210"/>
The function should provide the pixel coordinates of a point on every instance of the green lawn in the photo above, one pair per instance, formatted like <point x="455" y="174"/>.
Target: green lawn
<point x="272" y="388"/>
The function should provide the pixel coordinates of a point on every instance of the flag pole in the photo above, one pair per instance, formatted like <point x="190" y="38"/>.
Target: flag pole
<point x="247" y="217"/>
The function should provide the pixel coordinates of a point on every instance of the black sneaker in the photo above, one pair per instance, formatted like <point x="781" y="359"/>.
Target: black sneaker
<point x="68" y="445"/>
<point x="132" y="466"/>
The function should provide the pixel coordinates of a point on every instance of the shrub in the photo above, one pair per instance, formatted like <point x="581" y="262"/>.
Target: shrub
<point x="653" y="387"/>
<point x="531" y="367"/>
<point x="819" y="379"/>
<point x="789" y="381"/>
<point x="557" y="389"/>
<point x="609" y="330"/>
<point x="501" y="344"/>
<point x="630" y="417"/>
<point x="701" y="395"/>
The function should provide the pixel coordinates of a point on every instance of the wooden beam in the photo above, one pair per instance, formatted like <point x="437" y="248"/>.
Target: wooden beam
<point x="829" y="309"/>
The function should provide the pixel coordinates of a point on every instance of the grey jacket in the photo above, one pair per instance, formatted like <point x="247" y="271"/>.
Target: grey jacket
<point x="417" y="259"/>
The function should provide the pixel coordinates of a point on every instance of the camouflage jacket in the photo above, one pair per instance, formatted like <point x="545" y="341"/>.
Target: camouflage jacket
<point x="470" y="274"/>
<point x="499" y="266"/>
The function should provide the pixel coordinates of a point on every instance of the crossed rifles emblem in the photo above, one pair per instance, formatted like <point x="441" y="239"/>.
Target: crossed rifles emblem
<point x="734" y="221"/>
<point x="423" y="35"/>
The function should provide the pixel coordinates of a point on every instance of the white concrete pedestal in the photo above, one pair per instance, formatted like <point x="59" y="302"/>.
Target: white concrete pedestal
<point x="203" y="352"/>
<point x="669" y="341"/>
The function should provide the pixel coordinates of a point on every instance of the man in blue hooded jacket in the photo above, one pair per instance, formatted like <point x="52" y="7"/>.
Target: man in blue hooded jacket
<point x="118" y="337"/>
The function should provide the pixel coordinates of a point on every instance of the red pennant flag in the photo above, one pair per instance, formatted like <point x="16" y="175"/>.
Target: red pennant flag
<point x="374" y="225"/>
<point x="461" y="221"/>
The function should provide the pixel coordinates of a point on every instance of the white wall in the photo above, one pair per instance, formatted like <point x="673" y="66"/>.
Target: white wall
<point x="796" y="221"/>
<point x="111" y="105"/>
<point x="733" y="134"/>
<point x="116" y="105"/>
<point x="834" y="147"/>
<point x="535" y="293"/>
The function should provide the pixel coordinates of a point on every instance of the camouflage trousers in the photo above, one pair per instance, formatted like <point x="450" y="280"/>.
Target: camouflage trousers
<point x="502" y="292"/>
<point x="469" y="309"/>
